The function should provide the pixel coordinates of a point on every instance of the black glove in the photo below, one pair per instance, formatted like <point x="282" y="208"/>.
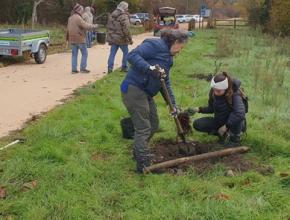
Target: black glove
<point x="192" y="111"/>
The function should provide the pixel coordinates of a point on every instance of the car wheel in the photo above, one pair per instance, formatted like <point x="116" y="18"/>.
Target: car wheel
<point x="137" y="23"/>
<point x="41" y="55"/>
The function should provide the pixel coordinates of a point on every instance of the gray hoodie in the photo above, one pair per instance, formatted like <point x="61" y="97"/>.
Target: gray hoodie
<point x="88" y="16"/>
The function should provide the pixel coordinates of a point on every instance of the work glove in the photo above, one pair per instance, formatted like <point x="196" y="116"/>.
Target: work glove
<point x="192" y="111"/>
<point x="222" y="131"/>
<point x="155" y="71"/>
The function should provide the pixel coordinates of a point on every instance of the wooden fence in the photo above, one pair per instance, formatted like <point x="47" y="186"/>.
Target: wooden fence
<point x="235" y="23"/>
<point x="215" y="23"/>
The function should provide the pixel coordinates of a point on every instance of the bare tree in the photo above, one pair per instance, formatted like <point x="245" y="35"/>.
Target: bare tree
<point x="34" y="12"/>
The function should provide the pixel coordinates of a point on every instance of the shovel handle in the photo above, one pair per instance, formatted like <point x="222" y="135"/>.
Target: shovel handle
<point x="171" y="107"/>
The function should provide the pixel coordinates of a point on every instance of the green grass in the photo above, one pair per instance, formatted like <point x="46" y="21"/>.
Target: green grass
<point x="71" y="185"/>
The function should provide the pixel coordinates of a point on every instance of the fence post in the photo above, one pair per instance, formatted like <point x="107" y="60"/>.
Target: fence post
<point x="215" y="23"/>
<point x="235" y="23"/>
<point x="191" y="25"/>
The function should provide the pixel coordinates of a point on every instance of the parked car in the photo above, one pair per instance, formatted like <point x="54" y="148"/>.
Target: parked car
<point x="134" y="19"/>
<point x="184" y="18"/>
<point x="198" y="18"/>
<point x="180" y="18"/>
<point x="165" y="19"/>
<point x="143" y="16"/>
<point x="17" y="42"/>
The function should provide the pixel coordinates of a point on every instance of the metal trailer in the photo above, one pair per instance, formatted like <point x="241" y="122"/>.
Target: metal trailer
<point x="18" y="42"/>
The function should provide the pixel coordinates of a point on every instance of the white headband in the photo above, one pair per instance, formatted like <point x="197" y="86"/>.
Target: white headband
<point x="223" y="85"/>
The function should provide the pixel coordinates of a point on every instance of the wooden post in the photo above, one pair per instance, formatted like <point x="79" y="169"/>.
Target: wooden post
<point x="215" y="23"/>
<point x="235" y="23"/>
<point x="191" y="25"/>
<point x="206" y="156"/>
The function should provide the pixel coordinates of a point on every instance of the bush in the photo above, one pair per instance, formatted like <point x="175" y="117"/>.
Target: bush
<point x="223" y="46"/>
<point x="280" y="18"/>
<point x="272" y="15"/>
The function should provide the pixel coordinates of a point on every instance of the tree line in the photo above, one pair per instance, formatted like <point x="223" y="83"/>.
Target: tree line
<point x="51" y="11"/>
<point x="272" y="15"/>
<point x="57" y="11"/>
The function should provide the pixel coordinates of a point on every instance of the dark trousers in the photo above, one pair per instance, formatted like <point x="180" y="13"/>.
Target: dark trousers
<point x="143" y="112"/>
<point x="210" y="126"/>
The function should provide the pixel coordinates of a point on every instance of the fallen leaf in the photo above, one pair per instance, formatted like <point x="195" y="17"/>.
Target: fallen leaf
<point x="2" y="193"/>
<point x="29" y="185"/>
<point x="221" y="197"/>
<point x="247" y="182"/>
<point x="230" y="173"/>
<point x="98" y="157"/>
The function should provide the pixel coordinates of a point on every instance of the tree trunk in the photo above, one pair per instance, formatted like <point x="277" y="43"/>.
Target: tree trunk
<point x="34" y="12"/>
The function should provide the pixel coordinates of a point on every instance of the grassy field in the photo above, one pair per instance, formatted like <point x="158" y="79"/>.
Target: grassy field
<point x="75" y="165"/>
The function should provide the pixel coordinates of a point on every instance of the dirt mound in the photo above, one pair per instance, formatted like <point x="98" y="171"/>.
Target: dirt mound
<point x="166" y="150"/>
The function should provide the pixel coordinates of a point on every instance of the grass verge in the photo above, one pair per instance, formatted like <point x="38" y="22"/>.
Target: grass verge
<point x="75" y="165"/>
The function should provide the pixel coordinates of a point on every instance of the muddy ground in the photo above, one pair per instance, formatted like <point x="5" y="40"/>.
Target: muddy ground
<point x="165" y="150"/>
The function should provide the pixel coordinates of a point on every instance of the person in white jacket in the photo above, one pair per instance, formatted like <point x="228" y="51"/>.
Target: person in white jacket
<point x="89" y="18"/>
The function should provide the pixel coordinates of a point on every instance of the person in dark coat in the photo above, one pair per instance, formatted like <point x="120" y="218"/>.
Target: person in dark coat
<point x="226" y="103"/>
<point x="119" y="35"/>
<point x="142" y="83"/>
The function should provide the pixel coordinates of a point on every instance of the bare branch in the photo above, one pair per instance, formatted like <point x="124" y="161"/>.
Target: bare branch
<point x="38" y="2"/>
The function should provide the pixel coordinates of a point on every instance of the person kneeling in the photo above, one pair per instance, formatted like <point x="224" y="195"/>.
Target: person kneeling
<point x="227" y="105"/>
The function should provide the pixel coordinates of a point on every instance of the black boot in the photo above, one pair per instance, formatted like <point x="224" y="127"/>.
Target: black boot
<point x="142" y="158"/>
<point x="233" y="141"/>
<point x="141" y="164"/>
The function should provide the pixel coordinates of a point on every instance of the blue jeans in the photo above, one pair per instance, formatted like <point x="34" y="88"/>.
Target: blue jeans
<point x="75" y="51"/>
<point x="89" y="39"/>
<point x="113" y="52"/>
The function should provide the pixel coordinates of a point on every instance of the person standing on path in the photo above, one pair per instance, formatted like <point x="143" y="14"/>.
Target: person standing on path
<point x="118" y="35"/>
<point x="142" y="83"/>
<point x="89" y="18"/>
<point x="76" y="37"/>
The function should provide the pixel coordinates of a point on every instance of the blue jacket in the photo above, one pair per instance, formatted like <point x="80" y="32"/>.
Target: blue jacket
<point x="150" y="52"/>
